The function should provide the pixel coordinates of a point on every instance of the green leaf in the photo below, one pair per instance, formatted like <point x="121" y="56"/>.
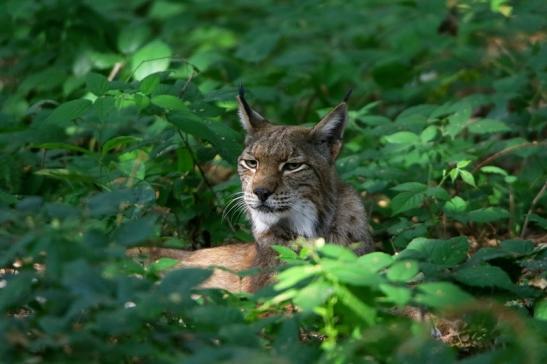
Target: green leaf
<point x="428" y="134"/>
<point x="149" y="84"/>
<point x="405" y="201"/>
<point x="136" y="231"/>
<point x="468" y="178"/>
<point x="458" y="120"/>
<point x="540" y="310"/>
<point x="441" y="295"/>
<point x="162" y="264"/>
<point x="178" y="284"/>
<point x="294" y="275"/>
<point x="361" y="309"/>
<point x="456" y="205"/>
<point x="337" y="252"/>
<point x="397" y="295"/>
<point x="117" y="142"/>
<point x="376" y="261"/>
<point x="285" y="253"/>
<point x="488" y="214"/>
<point x="402" y="271"/>
<point x="442" y="252"/>
<point x="97" y="83"/>
<point x="63" y="146"/>
<point x="485" y="126"/>
<point x="463" y="164"/>
<point x="152" y="58"/>
<point x="494" y="170"/>
<point x="169" y="102"/>
<point x="68" y="111"/>
<point x="352" y="274"/>
<point x="454" y="174"/>
<point x="313" y="295"/>
<point x="540" y="221"/>
<point x="391" y="73"/>
<point x="410" y="187"/>
<point x="258" y="47"/>
<point x="132" y="37"/>
<point x="403" y="137"/>
<point x="484" y="276"/>
<point x="517" y="247"/>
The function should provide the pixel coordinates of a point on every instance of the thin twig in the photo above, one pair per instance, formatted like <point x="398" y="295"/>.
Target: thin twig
<point x="115" y="70"/>
<point x="505" y="151"/>
<point x="534" y="202"/>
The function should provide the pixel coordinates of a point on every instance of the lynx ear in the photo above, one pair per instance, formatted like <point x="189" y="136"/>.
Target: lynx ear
<point x="330" y="129"/>
<point x="250" y="119"/>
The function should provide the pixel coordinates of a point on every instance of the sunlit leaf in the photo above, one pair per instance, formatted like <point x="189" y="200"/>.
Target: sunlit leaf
<point x="152" y="58"/>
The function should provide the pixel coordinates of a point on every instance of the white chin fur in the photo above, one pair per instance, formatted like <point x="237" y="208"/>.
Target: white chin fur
<point x="302" y="218"/>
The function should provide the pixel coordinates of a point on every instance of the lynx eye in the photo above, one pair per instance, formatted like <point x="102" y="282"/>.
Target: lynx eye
<point x="249" y="163"/>
<point x="292" y="166"/>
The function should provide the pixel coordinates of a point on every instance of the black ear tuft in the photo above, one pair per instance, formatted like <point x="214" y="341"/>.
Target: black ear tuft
<point x="348" y="95"/>
<point x="250" y="119"/>
<point x="331" y="127"/>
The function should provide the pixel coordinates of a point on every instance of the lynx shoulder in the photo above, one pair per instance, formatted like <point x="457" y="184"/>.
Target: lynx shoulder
<point x="289" y="182"/>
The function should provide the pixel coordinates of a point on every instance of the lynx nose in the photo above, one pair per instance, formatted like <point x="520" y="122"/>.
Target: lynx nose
<point x="262" y="193"/>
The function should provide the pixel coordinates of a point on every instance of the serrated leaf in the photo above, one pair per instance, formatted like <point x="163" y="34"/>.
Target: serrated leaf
<point x="484" y="276"/>
<point x="485" y="126"/>
<point x="402" y="271"/>
<point x="441" y="295"/>
<point x="152" y="58"/>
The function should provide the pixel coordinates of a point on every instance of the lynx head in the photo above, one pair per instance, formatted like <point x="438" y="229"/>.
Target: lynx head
<point x="288" y="172"/>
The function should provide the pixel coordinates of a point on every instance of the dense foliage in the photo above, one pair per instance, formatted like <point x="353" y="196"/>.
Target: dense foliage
<point x="118" y="128"/>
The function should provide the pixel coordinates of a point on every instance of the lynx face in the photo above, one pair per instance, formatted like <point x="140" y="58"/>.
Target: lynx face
<point x="287" y="172"/>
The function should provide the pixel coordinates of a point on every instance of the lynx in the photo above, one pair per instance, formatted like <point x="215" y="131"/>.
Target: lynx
<point x="290" y="190"/>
